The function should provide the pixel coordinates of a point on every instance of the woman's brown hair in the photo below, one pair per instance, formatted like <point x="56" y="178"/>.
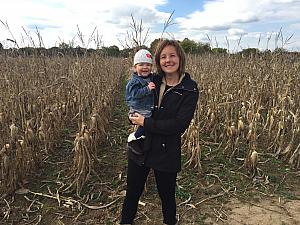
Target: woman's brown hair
<point x="179" y="50"/>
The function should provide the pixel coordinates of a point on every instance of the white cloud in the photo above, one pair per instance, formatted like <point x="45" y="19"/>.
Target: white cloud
<point x="240" y="18"/>
<point x="236" y="31"/>
<point x="57" y="20"/>
<point x="223" y="14"/>
<point x="219" y="15"/>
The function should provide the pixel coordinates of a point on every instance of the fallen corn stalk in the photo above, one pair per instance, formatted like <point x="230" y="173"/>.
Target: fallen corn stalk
<point x="68" y="200"/>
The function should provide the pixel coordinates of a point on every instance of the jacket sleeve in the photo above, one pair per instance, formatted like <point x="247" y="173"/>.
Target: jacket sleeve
<point x="136" y="91"/>
<point x="179" y="123"/>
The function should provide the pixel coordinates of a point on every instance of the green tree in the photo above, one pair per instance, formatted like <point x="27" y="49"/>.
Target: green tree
<point x="154" y="45"/>
<point x="54" y="51"/>
<point x="249" y="51"/>
<point x="125" y="52"/>
<point x="91" y="51"/>
<point x="111" y="50"/>
<point x="203" y="48"/>
<point x="27" y="51"/>
<point x="79" y="51"/>
<point x="193" y="47"/>
<point x="64" y="45"/>
<point x="279" y="50"/>
<point x="189" y="46"/>
<point x="219" y="50"/>
<point x="65" y="49"/>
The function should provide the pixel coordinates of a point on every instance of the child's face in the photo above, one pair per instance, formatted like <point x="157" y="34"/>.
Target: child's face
<point x="143" y="69"/>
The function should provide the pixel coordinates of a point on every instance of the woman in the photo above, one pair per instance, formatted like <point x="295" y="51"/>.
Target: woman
<point x="175" y="101"/>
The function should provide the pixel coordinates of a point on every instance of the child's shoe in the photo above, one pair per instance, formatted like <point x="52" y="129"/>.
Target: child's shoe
<point x="131" y="137"/>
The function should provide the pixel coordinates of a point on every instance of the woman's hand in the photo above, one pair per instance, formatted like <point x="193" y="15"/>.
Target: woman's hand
<point x="137" y="119"/>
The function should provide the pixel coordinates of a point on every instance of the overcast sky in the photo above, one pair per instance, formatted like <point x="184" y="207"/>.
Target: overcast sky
<point x="221" y="22"/>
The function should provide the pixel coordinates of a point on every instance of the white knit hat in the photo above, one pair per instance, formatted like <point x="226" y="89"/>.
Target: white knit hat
<point x="142" y="56"/>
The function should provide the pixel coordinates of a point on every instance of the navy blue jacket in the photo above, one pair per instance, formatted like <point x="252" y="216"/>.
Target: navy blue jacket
<point x="172" y="115"/>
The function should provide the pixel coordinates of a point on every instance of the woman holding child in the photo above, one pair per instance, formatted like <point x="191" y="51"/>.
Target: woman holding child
<point x="175" y="100"/>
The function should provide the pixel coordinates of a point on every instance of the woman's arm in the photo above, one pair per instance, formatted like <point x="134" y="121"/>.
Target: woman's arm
<point x="170" y="126"/>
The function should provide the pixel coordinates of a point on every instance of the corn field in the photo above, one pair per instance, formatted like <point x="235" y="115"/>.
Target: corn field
<point x="247" y="106"/>
<point x="40" y="98"/>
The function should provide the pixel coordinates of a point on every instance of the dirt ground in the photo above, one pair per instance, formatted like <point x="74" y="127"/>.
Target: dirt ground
<point x="269" y="211"/>
<point x="221" y="194"/>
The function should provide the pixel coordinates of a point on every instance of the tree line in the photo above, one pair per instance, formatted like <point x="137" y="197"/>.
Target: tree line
<point x="189" y="46"/>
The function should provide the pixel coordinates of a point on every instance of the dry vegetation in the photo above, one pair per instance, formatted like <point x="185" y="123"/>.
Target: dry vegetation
<point x="247" y="104"/>
<point x="40" y="98"/>
<point x="248" y="112"/>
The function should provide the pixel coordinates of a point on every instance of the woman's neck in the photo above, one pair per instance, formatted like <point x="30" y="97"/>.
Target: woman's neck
<point x="172" y="79"/>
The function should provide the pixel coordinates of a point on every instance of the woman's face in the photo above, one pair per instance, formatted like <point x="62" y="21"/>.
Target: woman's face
<point x="169" y="60"/>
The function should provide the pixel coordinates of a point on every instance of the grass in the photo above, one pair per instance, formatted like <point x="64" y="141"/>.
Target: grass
<point x="182" y="193"/>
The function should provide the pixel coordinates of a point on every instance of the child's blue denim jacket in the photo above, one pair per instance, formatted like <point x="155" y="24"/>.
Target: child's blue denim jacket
<point x="138" y="95"/>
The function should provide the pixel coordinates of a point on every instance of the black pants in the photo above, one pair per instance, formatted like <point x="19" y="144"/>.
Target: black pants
<point x="136" y="178"/>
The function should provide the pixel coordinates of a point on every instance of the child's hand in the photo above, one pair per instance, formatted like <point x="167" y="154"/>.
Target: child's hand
<point x="137" y="119"/>
<point x="151" y="86"/>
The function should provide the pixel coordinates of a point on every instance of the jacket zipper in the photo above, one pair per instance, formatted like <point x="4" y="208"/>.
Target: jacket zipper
<point x="174" y="88"/>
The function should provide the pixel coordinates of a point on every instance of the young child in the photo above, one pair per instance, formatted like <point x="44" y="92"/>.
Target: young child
<point x="139" y="96"/>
